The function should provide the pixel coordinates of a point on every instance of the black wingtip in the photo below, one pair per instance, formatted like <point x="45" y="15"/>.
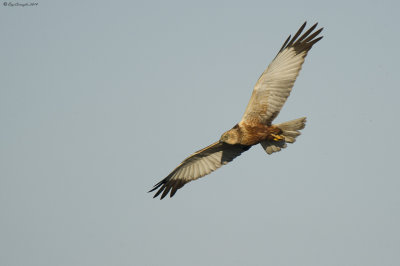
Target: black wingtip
<point x="303" y="41"/>
<point x="166" y="186"/>
<point x="299" y="31"/>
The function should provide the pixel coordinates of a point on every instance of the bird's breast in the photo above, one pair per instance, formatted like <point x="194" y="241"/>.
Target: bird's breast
<point x="252" y="134"/>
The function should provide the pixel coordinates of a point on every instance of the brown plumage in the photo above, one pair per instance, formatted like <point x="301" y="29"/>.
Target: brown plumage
<point x="269" y="95"/>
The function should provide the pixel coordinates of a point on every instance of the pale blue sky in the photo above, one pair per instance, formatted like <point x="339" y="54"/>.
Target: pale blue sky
<point x="99" y="100"/>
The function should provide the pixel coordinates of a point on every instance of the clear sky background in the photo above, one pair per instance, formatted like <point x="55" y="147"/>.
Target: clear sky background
<point x="100" y="100"/>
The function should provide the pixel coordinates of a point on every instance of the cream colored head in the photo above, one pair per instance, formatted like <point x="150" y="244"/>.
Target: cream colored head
<point x="230" y="137"/>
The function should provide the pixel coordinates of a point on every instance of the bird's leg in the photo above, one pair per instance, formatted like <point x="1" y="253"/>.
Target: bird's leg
<point x="277" y="137"/>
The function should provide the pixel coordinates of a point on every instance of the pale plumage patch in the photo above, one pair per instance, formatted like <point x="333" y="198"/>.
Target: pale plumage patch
<point x="275" y="84"/>
<point x="197" y="165"/>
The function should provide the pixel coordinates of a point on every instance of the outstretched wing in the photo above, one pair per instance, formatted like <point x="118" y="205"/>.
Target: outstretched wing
<point x="275" y="84"/>
<point x="197" y="165"/>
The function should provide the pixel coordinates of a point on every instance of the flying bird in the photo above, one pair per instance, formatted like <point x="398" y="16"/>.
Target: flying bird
<point x="269" y="94"/>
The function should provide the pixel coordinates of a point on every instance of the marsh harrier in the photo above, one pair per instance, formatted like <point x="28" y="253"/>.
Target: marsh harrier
<point x="269" y="94"/>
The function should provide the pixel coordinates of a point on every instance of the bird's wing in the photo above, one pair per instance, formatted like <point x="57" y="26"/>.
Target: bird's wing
<point x="197" y="165"/>
<point x="274" y="85"/>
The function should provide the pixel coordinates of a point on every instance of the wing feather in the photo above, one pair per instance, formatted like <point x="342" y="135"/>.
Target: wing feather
<point x="197" y="165"/>
<point x="275" y="84"/>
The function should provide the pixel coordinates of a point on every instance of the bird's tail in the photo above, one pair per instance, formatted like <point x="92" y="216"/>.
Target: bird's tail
<point x="290" y="130"/>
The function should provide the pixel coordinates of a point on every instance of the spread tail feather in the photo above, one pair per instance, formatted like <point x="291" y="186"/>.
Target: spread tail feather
<point x="290" y="130"/>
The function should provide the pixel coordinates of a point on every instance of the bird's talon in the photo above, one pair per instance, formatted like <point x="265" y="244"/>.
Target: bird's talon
<point x="277" y="137"/>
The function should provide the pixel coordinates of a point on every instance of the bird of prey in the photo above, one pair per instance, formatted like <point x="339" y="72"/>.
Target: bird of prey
<point x="269" y="94"/>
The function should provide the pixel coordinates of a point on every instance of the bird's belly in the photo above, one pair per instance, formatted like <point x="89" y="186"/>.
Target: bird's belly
<point x="252" y="140"/>
<point x="253" y="134"/>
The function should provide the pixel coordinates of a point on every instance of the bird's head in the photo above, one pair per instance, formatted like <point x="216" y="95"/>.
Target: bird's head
<point x="230" y="137"/>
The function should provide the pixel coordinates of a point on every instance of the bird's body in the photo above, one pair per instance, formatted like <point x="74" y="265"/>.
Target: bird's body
<point x="269" y="95"/>
<point x="251" y="134"/>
